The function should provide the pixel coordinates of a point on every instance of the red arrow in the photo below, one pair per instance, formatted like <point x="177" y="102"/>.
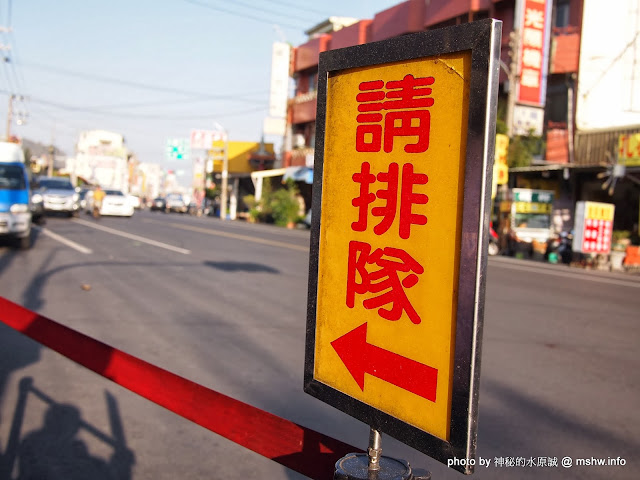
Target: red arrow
<point x="361" y="357"/>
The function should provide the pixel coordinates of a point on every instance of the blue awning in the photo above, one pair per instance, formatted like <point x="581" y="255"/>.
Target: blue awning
<point x="299" y="174"/>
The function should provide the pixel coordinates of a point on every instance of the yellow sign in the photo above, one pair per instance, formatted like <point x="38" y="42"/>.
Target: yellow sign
<point x="599" y="211"/>
<point x="502" y="148"/>
<point x="500" y="167"/>
<point x="629" y="149"/>
<point x="532" y="207"/>
<point x="391" y="229"/>
<point x="239" y="154"/>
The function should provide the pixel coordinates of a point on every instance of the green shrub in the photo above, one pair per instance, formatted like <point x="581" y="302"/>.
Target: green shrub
<point x="284" y="205"/>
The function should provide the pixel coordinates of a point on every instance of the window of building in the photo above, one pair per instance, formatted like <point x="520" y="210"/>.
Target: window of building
<point x="556" y="107"/>
<point x="306" y="82"/>
<point x="313" y="81"/>
<point x="562" y="14"/>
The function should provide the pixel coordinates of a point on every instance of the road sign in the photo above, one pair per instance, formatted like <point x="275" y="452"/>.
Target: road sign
<point x="177" y="149"/>
<point x="203" y="139"/>
<point x="402" y="184"/>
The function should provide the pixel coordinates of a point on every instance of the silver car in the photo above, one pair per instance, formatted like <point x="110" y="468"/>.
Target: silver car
<point x="175" y="203"/>
<point x="58" y="195"/>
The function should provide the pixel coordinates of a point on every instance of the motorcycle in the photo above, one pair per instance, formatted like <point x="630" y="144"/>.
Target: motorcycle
<point x="494" y="245"/>
<point x="560" y="248"/>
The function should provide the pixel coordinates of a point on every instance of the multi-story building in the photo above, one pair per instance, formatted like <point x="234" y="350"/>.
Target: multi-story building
<point x="102" y="158"/>
<point x="585" y="59"/>
<point x="148" y="180"/>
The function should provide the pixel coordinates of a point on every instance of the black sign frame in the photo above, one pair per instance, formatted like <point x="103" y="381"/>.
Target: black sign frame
<point x="483" y="40"/>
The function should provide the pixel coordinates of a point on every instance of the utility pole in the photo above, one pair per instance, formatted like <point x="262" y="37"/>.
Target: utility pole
<point x="223" y="135"/>
<point x="225" y="179"/>
<point x="9" y="116"/>
<point x="52" y="152"/>
<point x="514" y="52"/>
<point x="514" y="44"/>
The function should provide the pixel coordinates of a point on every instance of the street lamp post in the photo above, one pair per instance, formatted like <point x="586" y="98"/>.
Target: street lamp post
<point x="225" y="171"/>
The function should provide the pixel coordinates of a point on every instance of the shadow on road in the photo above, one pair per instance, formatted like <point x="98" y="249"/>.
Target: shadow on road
<point x="55" y="450"/>
<point x="16" y="351"/>
<point x="240" y="267"/>
<point x="504" y="403"/>
<point x="13" y="244"/>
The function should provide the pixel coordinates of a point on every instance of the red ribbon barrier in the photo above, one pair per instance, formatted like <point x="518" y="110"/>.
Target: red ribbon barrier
<point x="294" y="446"/>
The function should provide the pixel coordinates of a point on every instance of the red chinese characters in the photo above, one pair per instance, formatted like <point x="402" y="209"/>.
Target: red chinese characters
<point x="390" y="196"/>
<point x="389" y="199"/>
<point x="384" y="282"/>
<point x="406" y="102"/>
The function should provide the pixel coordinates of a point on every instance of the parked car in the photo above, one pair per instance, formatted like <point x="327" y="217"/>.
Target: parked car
<point x="135" y="201"/>
<point x="175" y="203"/>
<point x="158" y="204"/>
<point x="114" y="203"/>
<point x="58" y="195"/>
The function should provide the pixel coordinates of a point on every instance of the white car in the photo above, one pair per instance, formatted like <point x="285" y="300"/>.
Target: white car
<point x="135" y="201"/>
<point x="114" y="203"/>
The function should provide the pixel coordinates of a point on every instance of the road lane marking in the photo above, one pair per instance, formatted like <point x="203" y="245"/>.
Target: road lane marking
<point x="148" y="241"/>
<point x="572" y="274"/>
<point x="66" y="241"/>
<point x="273" y="243"/>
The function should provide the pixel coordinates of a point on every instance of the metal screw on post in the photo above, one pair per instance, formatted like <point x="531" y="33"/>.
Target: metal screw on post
<point x="373" y="466"/>
<point x="375" y="449"/>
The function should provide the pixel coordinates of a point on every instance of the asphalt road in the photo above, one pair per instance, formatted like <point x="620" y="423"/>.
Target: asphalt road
<point x="224" y="304"/>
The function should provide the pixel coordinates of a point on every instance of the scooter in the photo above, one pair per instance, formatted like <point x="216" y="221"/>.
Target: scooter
<point x="560" y="248"/>
<point x="494" y="245"/>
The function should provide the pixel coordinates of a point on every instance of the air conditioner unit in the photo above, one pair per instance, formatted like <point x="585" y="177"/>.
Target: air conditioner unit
<point x="298" y="140"/>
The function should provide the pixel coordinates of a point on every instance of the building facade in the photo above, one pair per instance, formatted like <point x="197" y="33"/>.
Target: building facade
<point x="102" y="158"/>
<point x="584" y="79"/>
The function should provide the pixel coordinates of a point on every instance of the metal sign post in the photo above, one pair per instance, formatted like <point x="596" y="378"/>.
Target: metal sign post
<point x="401" y="197"/>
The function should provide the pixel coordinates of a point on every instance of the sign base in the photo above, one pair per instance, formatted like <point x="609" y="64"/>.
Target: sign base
<point x="355" y="466"/>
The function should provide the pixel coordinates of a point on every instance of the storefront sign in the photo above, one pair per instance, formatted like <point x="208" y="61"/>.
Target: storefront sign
<point x="629" y="150"/>
<point x="500" y="165"/>
<point x="535" y="20"/>
<point x="528" y="120"/>
<point x="593" y="227"/>
<point x="530" y="207"/>
<point x="404" y="155"/>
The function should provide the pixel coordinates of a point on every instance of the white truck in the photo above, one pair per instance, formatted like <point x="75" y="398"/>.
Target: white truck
<point x="15" y="195"/>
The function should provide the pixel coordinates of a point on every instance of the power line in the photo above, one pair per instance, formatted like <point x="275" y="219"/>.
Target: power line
<point x="148" y="116"/>
<point x="128" y="83"/>
<point x="164" y="102"/>
<point x="242" y="15"/>
<point x="293" y="5"/>
<point x="270" y="12"/>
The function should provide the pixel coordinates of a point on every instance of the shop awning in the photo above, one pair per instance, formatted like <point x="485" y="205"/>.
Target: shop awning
<point x="299" y="174"/>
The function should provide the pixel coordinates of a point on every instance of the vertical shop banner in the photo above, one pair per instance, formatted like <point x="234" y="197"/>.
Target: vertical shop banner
<point x="533" y="58"/>
<point x="404" y="159"/>
<point x="501" y="166"/>
<point x="593" y="227"/>
<point x="629" y="150"/>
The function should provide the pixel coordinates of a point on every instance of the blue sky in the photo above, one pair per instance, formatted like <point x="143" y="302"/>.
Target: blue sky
<point x="149" y="69"/>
